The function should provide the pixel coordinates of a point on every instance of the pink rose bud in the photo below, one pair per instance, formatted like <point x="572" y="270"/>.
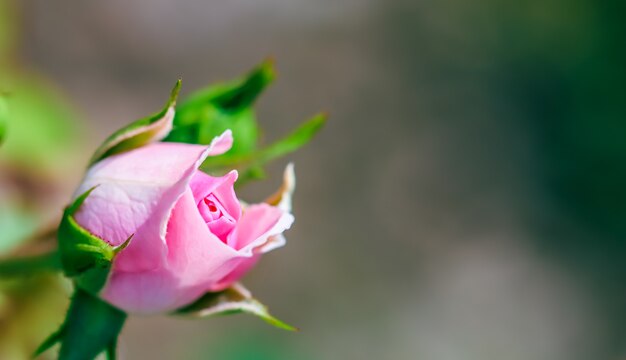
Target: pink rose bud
<point x="190" y="233"/>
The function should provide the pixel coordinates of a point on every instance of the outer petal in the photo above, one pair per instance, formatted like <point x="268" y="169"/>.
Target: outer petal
<point x="135" y="194"/>
<point x="195" y="261"/>
<point x="258" y="223"/>
<point x="259" y="230"/>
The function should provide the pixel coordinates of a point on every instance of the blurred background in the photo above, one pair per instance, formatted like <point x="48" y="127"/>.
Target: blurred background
<point x="466" y="200"/>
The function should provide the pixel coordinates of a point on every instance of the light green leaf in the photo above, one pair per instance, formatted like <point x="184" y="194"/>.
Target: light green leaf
<point x="292" y="142"/>
<point x="231" y="96"/>
<point x="17" y="223"/>
<point x="91" y="327"/>
<point x="209" y="112"/>
<point x="4" y="115"/>
<point x="299" y="137"/>
<point x="43" y="134"/>
<point x="234" y="300"/>
<point x="52" y="340"/>
<point x="140" y="132"/>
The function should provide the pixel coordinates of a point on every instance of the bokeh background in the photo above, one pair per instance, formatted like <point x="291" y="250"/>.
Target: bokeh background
<point x="466" y="200"/>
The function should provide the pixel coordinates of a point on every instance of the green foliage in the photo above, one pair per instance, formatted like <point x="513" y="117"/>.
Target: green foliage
<point x="90" y="328"/>
<point x="140" y="132"/>
<point x="233" y="300"/>
<point x="4" y="114"/>
<point x="42" y="134"/>
<point x="299" y="137"/>
<point x="209" y="112"/>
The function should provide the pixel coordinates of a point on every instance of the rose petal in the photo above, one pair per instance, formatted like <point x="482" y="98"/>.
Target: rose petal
<point x="195" y="261"/>
<point x="259" y="231"/>
<point x="135" y="193"/>
<point x="258" y="223"/>
<point x="222" y="188"/>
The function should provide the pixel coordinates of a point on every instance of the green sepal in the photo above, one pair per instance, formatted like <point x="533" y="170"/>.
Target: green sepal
<point x="141" y="132"/>
<point x="4" y="115"/>
<point x="234" y="95"/>
<point x="253" y="161"/>
<point x="85" y="258"/>
<point x="91" y="327"/>
<point x="234" y="300"/>
<point x="209" y="112"/>
<point x="51" y="340"/>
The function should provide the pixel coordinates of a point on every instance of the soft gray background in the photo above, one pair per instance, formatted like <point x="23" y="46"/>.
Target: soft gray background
<point x="422" y="209"/>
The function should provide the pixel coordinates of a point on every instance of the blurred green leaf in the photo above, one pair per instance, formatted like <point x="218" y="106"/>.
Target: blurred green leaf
<point x="90" y="328"/>
<point x="251" y="162"/>
<point x="30" y="265"/>
<point x="140" y="132"/>
<point x="4" y="115"/>
<point x="234" y="300"/>
<point x="16" y="224"/>
<point x="85" y="257"/>
<point x="43" y="134"/>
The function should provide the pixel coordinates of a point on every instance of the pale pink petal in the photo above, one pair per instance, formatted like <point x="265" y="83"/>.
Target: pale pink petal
<point x="144" y="292"/>
<point x="222" y="187"/>
<point x="257" y="225"/>
<point x="259" y="231"/>
<point x="239" y="271"/>
<point x="196" y="261"/>
<point x="135" y="193"/>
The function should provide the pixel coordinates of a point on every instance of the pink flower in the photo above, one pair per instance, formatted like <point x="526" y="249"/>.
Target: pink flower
<point x="190" y="232"/>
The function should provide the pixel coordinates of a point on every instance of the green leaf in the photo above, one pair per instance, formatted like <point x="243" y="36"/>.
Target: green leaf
<point x="52" y="340"/>
<point x="84" y="257"/>
<point x="111" y="351"/>
<point x="235" y="95"/>
<point x="209" y="112"/>
<point x="18" y="223"/>
<point x="91" y="327"/>
<point x="299" y="137"/>
<point x="234" y="300"/>
<point x="43" y="134"/>
<point x="4" y="114"/>
<point x="140" y="132"/>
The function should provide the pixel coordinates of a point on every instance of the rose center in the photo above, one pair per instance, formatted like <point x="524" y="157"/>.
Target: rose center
<point x="219" y="221"/>
<point x="211" y="205"/>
